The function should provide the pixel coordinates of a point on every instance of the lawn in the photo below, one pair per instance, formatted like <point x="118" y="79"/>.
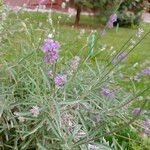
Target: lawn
<point x="67" y="34"/>
<point x="22" y="68"/>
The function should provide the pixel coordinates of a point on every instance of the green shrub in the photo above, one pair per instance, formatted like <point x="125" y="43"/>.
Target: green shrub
<point x="129" y="12"/>
<point x="35" y="113"/>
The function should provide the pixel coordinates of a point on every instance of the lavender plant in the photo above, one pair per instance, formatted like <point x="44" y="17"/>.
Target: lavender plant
<point x="50" y="101"/>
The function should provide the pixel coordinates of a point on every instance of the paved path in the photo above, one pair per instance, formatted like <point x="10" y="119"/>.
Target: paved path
<point x="146" y="17"/>
<point x="31" y="3"/>
<point x="15" y="2"/>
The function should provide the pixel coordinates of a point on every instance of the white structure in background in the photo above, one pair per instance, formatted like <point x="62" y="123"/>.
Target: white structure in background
<point x="146" y="17"/>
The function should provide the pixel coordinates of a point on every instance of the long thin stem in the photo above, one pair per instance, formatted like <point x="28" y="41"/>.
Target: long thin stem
<point x="128" y="102"/>
<point x="119" y="127"/>
<point x="105" y="76"/>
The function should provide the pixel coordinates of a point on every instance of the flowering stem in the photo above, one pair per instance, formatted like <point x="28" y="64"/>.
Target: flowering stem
<point x="120" y="127"/>
<point x="105" y="76"/>
<point x="54" y="74"/>
<point x="128" y="102"/>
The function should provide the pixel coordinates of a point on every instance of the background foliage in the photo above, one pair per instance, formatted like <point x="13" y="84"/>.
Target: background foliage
<point x="129" y="11"/>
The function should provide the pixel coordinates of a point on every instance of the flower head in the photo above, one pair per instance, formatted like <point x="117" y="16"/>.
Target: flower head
<point x="107" y="93"/>
<point x="35" y="111"/>
<point x="75" y="63"/>
<point x="146" y="71"/>
<point x="50" y="45"/>
<point x="139" y="111"/>
<point x="60" y="80"/>
<point x="51" y="57"/>
<point x="122" y="56"/>
<point x="112" y="19"/>
<point x="51" y="50"/>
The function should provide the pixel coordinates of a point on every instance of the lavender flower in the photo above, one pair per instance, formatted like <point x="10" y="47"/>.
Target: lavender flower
<point x="107" y="93"/>
<point x="35" y="111"/>
<point x="51" y="48"/>
<point x="68" y="122"/>
<point x="120" y="57"/>
<point x="60" y="80"/>
<point x="146" y="71"/>
<point x="136" y="110"/>
<point x="139" y="111"/>
<point x="50" y="45"/>
<point x="51" y="57"/>
<point x="112" y="19"/>
<point x="75" y="63"/>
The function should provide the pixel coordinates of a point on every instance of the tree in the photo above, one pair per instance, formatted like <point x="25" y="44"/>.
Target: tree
<point x="130" y="12"/>
<point x="99" y="5"/>
<point x="79" y="5"/>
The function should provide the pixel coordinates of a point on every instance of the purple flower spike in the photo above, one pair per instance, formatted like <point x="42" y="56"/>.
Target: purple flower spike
<point x="120" y="57"/>
<point x="51" y="50"/>
<point x="112" y="19"/>
<point x="146" y="71"/>
<point x="75" y="63"/>
<point x="60" y="80"/>
<point x="51" y="57"/>
<point x="50" y="45"/>
<point x="138" y="110"/>
<point x="35" y="111"/>
<point x="107" y="93"/>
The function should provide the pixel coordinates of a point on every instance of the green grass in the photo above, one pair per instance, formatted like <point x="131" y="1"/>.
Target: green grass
<point x="24" y="31"/>
<point x="67" y="36"/>
<point x="115" y="37"/>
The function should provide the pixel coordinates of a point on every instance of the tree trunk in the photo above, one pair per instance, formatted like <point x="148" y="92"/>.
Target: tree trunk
<point x="77" y="20"/>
